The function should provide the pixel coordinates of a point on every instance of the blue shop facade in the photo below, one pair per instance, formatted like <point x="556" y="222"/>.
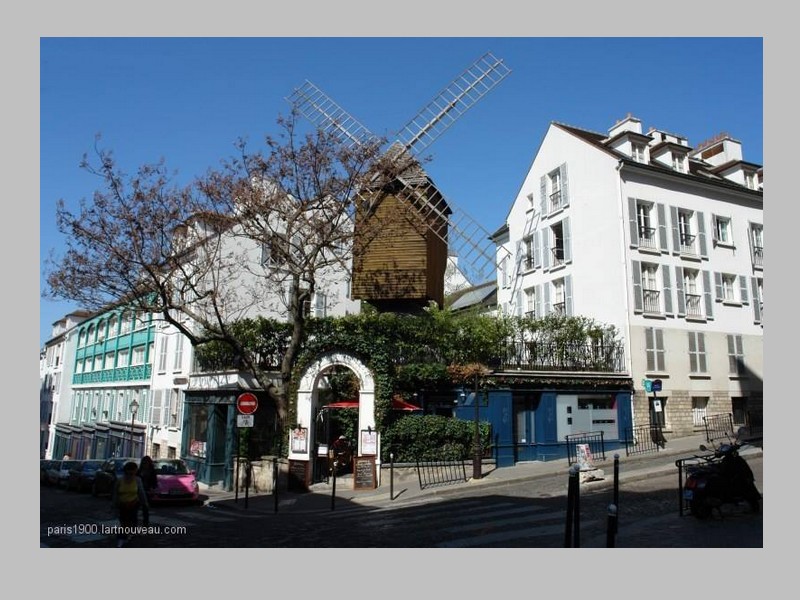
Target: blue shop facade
<point x="531" y="415"/>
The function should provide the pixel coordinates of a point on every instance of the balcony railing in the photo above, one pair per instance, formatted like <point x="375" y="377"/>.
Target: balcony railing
<point x="652" y="301"/>
<point x="555" y="200"/>
<point x="558" y="255"/>
<point x="647" y="237"/>
<point x="568" y="356"/>
<point x="687" y="243"/>
<point x="560" y="308"/>
<point x="693" y="306"/>
<point x="758" y="256"/>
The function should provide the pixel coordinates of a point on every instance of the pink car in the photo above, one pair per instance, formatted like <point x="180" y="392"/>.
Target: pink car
<point x="175" y="481"/>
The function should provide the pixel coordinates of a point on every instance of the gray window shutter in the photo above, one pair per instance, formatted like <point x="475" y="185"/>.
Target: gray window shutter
<point x="518" y="259"/>
<point x="539" y="314"/>
<point x="662" y="227"/>
<point x="701" y="351"/>
<point x="707" y="295"/>
<point x="546" y="248"/>
<point x="750" y="242"/>
<point x="743" y="289"/>
<point x="564" y="186"/>
<point x="650" y="346"/>
<point x="547" y="306"/>
<point x="676" y="232"/>
<point x="537" y="254"/>
<point x="718" y="286"/>
<point x="660" y="350"/>
<point x="680" y="291"/>
<point x="519" y="303"/>
<point x="638" y="298"/>
<point x="714" y="235"/>
<point x="543" y="195"/>
<point x="633" y="219"/>
<point x="568" y="295"/>
<point x="567" y="240"/>
<point x="701" y="234"/>
<point x="756" y="302"/>
<point x="667" y="289"/>
<point x="692" y="351"/>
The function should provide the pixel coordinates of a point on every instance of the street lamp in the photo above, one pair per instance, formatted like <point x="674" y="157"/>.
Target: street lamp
<point x="134" y="406"/>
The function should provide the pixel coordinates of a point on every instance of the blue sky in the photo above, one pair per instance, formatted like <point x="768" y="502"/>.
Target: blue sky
<point x="188" y="99"/>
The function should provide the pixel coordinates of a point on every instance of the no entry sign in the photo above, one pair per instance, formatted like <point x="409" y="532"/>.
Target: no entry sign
<point x="246" y="403"/>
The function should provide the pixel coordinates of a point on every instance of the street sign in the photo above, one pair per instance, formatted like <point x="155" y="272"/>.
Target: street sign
<point x="648" y="385"/>
<point x="247" y="403"/>
<point x="656" y="385"/>
<point x="245" y="420"/>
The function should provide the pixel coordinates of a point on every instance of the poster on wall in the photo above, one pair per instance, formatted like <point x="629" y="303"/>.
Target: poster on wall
<point x="369" y="442"/>
<point x="298" y="440"/>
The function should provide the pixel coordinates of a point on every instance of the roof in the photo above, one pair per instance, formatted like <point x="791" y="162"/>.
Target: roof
<point x="474" y="296"/>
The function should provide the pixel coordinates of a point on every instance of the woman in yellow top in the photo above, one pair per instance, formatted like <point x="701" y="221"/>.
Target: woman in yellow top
<point x="128" y="496"/>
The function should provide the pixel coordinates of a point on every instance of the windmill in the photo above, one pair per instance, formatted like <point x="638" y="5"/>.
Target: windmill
<point x="406" y="234"/>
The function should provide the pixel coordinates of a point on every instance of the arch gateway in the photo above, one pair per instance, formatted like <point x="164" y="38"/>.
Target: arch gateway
<point x="309" y="448"/>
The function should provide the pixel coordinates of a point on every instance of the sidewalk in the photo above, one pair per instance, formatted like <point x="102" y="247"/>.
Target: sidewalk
<point x="405" y="488"/>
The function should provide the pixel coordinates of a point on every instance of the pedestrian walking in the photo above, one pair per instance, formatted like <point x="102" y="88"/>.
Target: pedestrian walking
<point x="127" y="497"/>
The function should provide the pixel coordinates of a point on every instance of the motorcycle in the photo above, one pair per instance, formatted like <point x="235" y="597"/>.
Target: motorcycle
<point x="723" y="477"/>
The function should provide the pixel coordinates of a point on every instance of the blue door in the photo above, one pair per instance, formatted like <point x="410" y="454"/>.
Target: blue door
<point x="524" y="409"/>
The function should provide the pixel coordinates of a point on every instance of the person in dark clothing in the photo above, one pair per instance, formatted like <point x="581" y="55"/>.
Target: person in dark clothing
<point x="147" y="472"/>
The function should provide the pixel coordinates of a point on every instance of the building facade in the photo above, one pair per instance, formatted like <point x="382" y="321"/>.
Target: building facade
<point x="659" y="239"/>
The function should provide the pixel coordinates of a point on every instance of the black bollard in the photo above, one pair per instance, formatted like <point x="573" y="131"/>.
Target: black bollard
<point x="247" y="475"/>
<point x="616" y="491"/>
<point x="333" y="488"/>
<point x="236" y="483"/>
<point x="572" y="488"/>
<point x="576" y="527"/>
<point x="391" y="476"/>
<point x="275" y="482"/>
<point x="611" y="526"/>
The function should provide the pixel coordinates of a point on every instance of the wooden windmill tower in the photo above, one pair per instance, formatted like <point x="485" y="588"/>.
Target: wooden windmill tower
<point x="405" y="228"/>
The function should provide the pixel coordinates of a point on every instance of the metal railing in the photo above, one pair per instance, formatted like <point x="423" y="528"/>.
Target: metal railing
<point x="687" y="243"/>
<point x="758" y="256"/>
<point x="556" y="356"/>
<point x="652" y="301"/>
<point x="435" y="473"/>
<point x="647" y="237"/>
<point x="643" y="439"/>
<point x="595" y="441"/>
<point x="719" y="427"/>
<point x="693" y="305"/>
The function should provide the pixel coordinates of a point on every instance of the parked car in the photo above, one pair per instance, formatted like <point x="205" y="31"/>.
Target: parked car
<point x="176" y="482"/>
<point x="108" y="473"/>
<point x="58" y="473"/>
<point x="44" y="467"/>
<point x="81" y="477"/>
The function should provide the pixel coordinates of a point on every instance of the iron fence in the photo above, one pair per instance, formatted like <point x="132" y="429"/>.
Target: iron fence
<point x="643" y="439"/>
<point x="719" y="427"/>
<point x="435" y="473"/>
<point x="558" y="356"/>
<point x="595" y="441"/>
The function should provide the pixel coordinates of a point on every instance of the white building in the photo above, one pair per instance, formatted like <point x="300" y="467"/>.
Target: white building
<point x="663" y="241"/>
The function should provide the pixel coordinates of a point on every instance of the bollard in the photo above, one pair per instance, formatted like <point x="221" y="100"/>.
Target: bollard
<point x="616" y="491"/>
<point x="275" y="482"/>
<point x="576" y="527"/>
<point x="236" y="483"/>
<point x="333" y="488"/>
<point x="247" y="475"/>
<point x="391" y="476"/>
<point x="572" y="488"/>
<point x="611" y="526"/>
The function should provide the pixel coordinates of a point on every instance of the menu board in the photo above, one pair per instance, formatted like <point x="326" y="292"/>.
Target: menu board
<point x="298" y="476"/>
<point x="364" y="473"/>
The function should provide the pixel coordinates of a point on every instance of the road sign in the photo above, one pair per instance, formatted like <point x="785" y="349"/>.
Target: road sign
<point x="245" y="420"/>
<point x="656" y="385"/>
<point x="247" y="403"/>
<point x="648" y="385"/>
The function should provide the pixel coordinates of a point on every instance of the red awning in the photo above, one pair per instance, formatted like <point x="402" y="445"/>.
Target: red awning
<point x="345" y="404"/>
<point x="397" y="404"/>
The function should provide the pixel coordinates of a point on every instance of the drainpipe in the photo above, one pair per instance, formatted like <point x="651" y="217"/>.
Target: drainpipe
<point x="626" y="278"/>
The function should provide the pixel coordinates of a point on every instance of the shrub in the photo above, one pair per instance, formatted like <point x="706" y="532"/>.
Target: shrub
<point x="431" y="437"/>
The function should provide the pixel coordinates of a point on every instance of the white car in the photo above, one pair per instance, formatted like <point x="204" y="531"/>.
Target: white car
<point x="58" y="474"/>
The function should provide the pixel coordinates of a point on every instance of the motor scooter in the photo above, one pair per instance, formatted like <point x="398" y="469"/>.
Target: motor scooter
<point x="723" y="477"/>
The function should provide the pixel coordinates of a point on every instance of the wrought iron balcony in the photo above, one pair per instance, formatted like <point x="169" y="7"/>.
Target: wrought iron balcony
<point x="687" y="243"/>
<point x="647" y="237"/>
<point x="758" y="256"/>
<point x="693" y="305"/>
<point x="652" y="301"/>
<point x="560" y="308"/>
<point x="570" y="356"/>
<point x="558" y="255"/>
<point x="555" y="200"/>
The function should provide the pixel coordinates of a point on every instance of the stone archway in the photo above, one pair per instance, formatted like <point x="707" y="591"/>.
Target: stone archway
<point x="308" y="390"/>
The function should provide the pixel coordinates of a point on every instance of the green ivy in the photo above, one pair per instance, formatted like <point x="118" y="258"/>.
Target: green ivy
<point x="431" y="437"/>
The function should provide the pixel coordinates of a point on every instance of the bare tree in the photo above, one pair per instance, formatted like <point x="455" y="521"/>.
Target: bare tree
<point x="252" y="237"/>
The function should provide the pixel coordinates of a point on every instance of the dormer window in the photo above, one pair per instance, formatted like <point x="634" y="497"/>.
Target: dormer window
<point x="678" y="162"/>
<point x="637" y="152"/>
<point x="750" y="180"/>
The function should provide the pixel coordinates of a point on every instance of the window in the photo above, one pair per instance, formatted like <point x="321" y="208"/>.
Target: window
<point x="697" y="352"/>
<point x="559" y="297"/>
<point x="320" y="304"/>
<point x="162" y="354"/>
<point x="138" y="356"/>
<point x="504" y="278"/>
<point x="113" y="324"/>
<point x="728" y="287"/>
<point x="90" y="336"/>
<point x="736" y="364"/>
<point x="558" y="244"/>
<point x="757" y="284"/>
<point x="750" y="180"/>
<point x="757" y="244"/>
<point x="678" y="162"/>
<point x="178" y="362"/>
<point x="125" y="323"/>
<point x="274" y="253"/>
<point x="650" y="291"/>
<point x="685" y="231"/>
<point x="101" y="331"/>
<point x="637" y="152"/>
<point x="692" y="293"/>
<point x="722" y="230"/>
<point x="699" y="406"/>
<point x="98" y="362"/>
<point x="654" y="344"/>
<point x="108" y="361"/>
<point x="123" y="358"/>
<point x="81" y="338"/>
<point x="529" y="250"/>
<point x="555" y="190"/>
<point x="647" y="233"/>
<point x="530" y="303"/>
